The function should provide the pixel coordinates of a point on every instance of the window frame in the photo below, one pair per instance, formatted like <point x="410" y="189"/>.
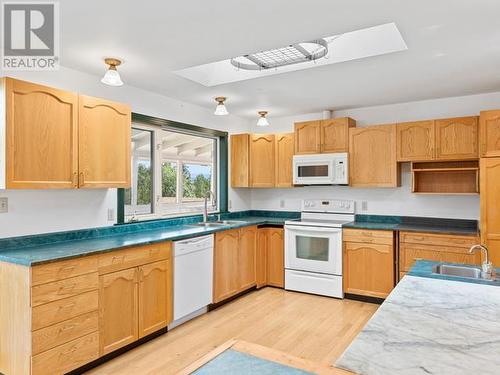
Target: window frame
<point x="156" y="125"/>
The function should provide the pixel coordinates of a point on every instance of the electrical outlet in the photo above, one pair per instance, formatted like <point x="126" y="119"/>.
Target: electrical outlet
<point x="282" y="203"/>
<point x="111" y="214"/>
<point x="364" y="206"/>
<point x="4" y="205"/>
<point x="230" y="204"/>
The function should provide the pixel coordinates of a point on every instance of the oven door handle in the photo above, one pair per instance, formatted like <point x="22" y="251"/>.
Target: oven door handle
<point x="313" y="229"/>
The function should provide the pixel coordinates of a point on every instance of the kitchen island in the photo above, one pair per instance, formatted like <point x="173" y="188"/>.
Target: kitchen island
<point x="430" y="326"/>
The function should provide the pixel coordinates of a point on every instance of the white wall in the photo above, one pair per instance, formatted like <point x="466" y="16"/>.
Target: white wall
<point x="40" y="211"/>
<point x="397" y="201"/>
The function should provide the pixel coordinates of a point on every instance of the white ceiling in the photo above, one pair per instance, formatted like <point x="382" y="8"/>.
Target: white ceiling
<point x="453" y="49"/>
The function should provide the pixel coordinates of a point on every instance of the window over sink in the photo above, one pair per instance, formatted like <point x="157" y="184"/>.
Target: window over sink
<point x="173" y="169"/>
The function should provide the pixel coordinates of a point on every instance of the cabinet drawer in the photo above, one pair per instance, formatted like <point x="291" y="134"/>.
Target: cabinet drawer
<point x="136" y="256"/>
<point x="409" y="254"/>
<point x="61" y="333"/>
<point x="47" y="273"/>
<point x="66" y="357"/>
<point x="383" y="237"/>
<point x="438" y="239"/>
<point x="64" y="309"/>
<point x="57" y="290"/>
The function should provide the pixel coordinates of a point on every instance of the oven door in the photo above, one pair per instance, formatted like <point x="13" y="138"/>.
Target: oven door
<point x="312" y="172"/>
<point x="313" y="249"/>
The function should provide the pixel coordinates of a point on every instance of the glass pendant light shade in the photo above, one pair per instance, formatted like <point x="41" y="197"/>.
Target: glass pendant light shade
<point x="220" y="109"/>
<point x="112" y="77"/>
<point x="262" y="119"/>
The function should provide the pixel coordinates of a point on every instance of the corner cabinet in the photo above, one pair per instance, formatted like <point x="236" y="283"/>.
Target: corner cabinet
<point x="270" y="257"/>
<point x="489" y="133"/>
<point x="372" y="157"/>
<point x="234" y="262"/>
<point x="490" y="214"/>
<point x="262" y="160"/>
<point x="54" y="139"/>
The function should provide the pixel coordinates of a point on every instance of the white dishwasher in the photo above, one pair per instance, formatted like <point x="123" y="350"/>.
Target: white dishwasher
<point x="193" y="277"/>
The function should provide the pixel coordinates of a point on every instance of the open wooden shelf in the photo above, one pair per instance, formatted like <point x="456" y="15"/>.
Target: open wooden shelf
<point x="453" y="178"/>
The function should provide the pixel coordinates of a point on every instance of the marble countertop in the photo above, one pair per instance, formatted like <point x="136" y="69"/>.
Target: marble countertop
<point x="35" y="254"/>
<point x="430" y="326"/>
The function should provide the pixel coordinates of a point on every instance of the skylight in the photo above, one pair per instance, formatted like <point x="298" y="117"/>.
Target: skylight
<point x="353" y="45"/>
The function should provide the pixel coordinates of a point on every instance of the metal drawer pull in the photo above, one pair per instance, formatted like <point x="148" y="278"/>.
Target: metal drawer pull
<point x="67" y="306"/>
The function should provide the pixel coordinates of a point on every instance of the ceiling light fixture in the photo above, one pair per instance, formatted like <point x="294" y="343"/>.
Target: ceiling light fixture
<point x="221" y="109"/>
<point x="262" y="119"/>
<point x="112" y="77"/>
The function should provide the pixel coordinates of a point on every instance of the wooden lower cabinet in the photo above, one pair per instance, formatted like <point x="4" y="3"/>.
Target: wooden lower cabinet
<point x="118" y="309"/>
<point x="415" y="246"/>
<point x="247" y="257"/>
<point x="270" y="257"/>
<point x="369" y="263"/>
<point x="226" y="279"/>
<point x="59" y="316"/>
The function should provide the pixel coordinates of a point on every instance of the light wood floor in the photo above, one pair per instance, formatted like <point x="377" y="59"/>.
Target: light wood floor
<point x="307" y="326"/>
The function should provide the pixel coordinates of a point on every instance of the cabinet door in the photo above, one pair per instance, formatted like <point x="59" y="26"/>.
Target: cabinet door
<point x="335" y="134"/>
<point x="262" y="160"/>
<point x="261" y="257"/>
<point x="118" y="309"/>
<point x="246" y="260"/>
<point x="226" y="279"/>
<point x="104" y="143"/>
<point x="154" y="294"/>
<point x="415" y="141"/>
<point x="368" y="269"/>
<point x="490" y="214"/>
<point x="308" y="137"/>
<point x="372" y="157"/>
<point x="284" y="160"/>
<point x="457" y="138"/>
<point x="41" y="136"/>
<point x="275" y="258"/>
<point x="489" y="133"/>
<point x="240" y="162"/>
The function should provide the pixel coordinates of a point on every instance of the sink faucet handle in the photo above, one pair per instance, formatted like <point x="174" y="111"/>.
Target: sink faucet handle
<point x="485" y="250"/>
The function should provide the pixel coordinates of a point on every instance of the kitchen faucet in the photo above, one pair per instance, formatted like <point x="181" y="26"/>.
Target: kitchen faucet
<point x="208" y="194"/>
<point x="487" y="266"/>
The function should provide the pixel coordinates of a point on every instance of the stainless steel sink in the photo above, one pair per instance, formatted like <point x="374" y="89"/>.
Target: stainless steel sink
<point x="231" y="222"/>
<point x="210" y="224"/>
<point x="457" y="271"/>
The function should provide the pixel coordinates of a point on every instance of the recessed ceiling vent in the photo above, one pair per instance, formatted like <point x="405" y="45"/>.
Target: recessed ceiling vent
<point x="275" y="58"/>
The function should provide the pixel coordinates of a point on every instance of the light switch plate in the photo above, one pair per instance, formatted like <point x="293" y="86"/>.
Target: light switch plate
<point x="4" y="205"/>
<point x="111" y="214"/>
<point x="282" y="203"/>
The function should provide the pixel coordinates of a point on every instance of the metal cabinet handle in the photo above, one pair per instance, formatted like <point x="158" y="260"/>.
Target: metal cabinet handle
<point x="81" y="179"/>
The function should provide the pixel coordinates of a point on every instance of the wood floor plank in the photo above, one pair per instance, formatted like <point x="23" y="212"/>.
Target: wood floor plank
<point x="310" y="327"/>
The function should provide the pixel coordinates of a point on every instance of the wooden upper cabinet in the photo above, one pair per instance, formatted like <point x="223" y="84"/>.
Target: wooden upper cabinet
<point x="226" y="279"/>
<point x="118" y="309"/>
<point x="246" y="259"/>
<point x="262" y="154"/>
<point x="489" y="133"/>
<point x="415" y="141"/>
<point x="372" y="157"/>
<point x="104" y="143"/>
<point x="240" y="162"/>
<point x="308" y="137"/>
<point x="457" y="138"/>
<point x="335" y="134"/>
<point x="41" y="136"/>
<point x="284" y="159"/>
<point x="154" y="293"/>
<point x="490" y="214"/>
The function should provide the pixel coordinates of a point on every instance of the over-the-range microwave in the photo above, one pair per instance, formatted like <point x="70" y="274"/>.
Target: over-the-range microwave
<point x="321" y="169"/>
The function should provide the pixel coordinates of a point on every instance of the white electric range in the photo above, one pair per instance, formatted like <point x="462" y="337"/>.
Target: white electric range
<point x="313" y="247"/>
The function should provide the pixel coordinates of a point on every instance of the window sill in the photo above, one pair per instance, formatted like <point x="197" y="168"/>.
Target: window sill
<point x="153" y="217"/>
